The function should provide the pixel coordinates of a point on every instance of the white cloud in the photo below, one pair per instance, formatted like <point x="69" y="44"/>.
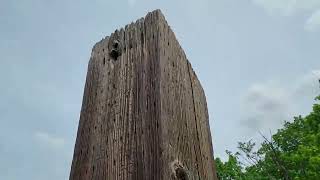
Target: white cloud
<point x="49" y="140"/>
<point x="266" y="105"/>
<point x="313" y="23"/>
<point x="276" y="6"/>
<point x="308" y="83"/>
<point x="131" y="2"/>
<point x="288" y="7"/>
<point x="293" y="7"/>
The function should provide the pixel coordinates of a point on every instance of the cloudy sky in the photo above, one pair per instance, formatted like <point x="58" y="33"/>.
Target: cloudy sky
<point x="258" y="61"/>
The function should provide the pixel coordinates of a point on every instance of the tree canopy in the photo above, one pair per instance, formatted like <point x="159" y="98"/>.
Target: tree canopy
<point x="293" y="152"/>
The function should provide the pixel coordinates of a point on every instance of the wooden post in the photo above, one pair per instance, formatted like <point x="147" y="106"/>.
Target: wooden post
<point x="144" y="113"/>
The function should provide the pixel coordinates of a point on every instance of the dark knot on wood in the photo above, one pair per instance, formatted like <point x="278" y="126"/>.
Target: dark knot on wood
<point x="115" y="50"/>
<point x="179" y="172"/>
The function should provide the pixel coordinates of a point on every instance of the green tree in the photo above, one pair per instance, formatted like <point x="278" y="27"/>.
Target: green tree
<point x="230" y="169"/>
<point x="291" y="153"/>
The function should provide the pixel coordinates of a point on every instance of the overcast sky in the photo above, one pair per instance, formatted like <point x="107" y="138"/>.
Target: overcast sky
<point x="258" y="61"/>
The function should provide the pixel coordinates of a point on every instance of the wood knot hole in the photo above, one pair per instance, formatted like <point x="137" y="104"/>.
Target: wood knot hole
<point x="179" y="171"/>
<point x="115" y="50"/>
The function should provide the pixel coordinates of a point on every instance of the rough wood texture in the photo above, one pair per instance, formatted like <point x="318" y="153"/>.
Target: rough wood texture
<point x="144" y="113"/>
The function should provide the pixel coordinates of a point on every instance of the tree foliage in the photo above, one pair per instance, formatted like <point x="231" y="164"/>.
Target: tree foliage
<point x="291" y="153"/>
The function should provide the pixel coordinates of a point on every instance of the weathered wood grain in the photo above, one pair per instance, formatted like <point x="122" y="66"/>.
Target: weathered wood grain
<point x="144" y="112"/>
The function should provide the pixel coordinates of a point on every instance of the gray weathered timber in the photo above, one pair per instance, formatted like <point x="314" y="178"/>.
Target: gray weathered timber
<point x="144" y="113"/>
